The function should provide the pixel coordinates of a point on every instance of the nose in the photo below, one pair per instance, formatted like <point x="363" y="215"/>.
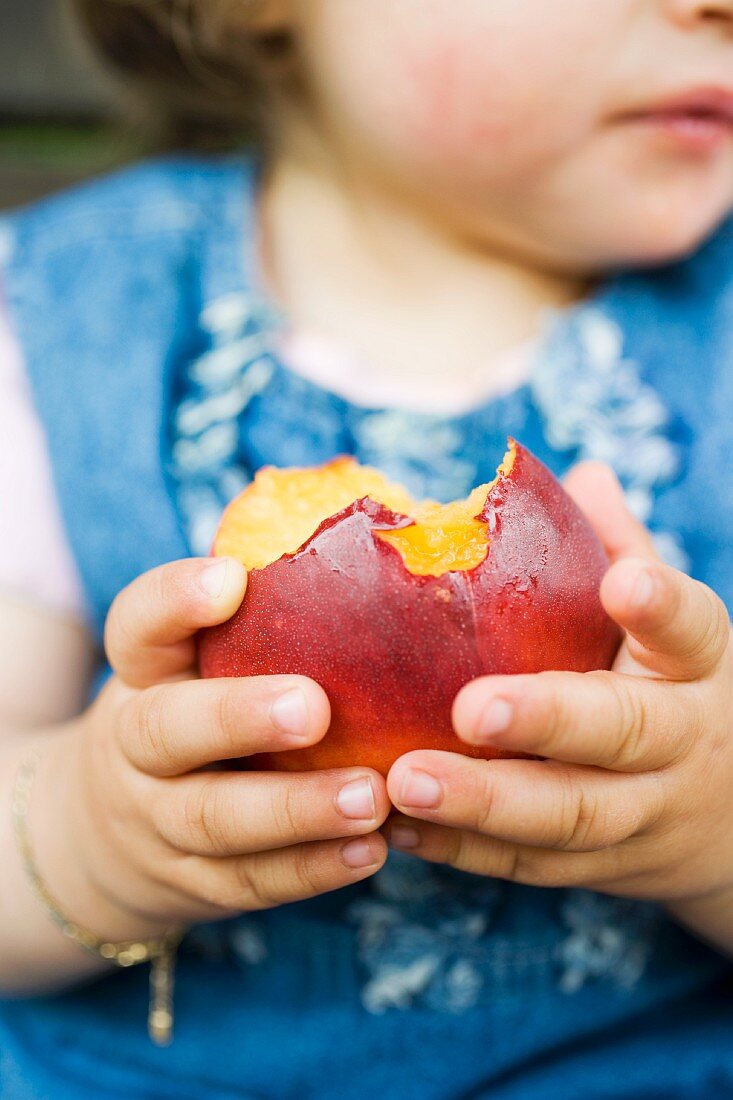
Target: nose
<point x="691" y="13"/>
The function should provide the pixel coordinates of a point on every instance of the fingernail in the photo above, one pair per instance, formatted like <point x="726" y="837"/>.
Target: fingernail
<point x="402" y="836"/>
<point x="213" y="578"/>
<point x="495" y="718"/>
<point x="358" y="853"/>
<point x="289" y="713"/>
<point x="356" y="800"/>
<point x="642" y="590"/>
<point x="420" y="790"/>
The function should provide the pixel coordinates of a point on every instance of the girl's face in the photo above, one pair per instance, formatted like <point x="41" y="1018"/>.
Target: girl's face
<point x="581" y="134"/>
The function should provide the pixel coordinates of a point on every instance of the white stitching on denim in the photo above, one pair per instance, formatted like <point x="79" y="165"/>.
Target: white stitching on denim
<point x="219" y="385"/>
<point x="595" y="403"/>
<point x="608" y="938"/>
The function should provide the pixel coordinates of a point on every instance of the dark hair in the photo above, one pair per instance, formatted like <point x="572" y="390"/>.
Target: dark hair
<point x="204" y="79"/>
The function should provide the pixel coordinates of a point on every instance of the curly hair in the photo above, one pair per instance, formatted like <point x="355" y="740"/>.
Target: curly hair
<point x="205" y="78"/>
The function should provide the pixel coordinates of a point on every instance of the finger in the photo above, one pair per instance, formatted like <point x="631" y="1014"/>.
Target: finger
<point x="480" y="855"/>
<point x="597" y="491"/>
<point x="268" y="879"/>
<point x="150" y="629"/>
<point x="525" y="801"/>
<point x="679" y="628"/>
<point x="217" y="814"/>
<point x="171" y="729"/>
<point x="607" y="719"/>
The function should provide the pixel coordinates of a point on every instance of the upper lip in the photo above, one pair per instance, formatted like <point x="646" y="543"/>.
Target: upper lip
<point x="704" y="102"/>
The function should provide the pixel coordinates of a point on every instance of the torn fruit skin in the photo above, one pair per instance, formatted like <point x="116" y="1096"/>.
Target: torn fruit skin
<point x="392" y="607"/>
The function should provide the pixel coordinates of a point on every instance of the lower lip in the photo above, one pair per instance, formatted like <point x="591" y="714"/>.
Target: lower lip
<point x="695" y="133"/>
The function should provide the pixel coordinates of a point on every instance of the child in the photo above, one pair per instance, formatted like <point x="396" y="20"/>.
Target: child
<point x="479" y="217"/>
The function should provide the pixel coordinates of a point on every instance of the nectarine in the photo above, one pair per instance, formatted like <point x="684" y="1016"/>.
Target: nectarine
<point x="393" y="606"/>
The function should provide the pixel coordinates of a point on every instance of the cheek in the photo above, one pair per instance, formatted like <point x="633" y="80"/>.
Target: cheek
<point x="452" y="100"/>
<point x="446" y="85"/>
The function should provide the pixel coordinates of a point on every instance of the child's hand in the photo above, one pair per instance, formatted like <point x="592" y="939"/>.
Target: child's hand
<point x="165" y="839"/>
<point x="636" y="797"/>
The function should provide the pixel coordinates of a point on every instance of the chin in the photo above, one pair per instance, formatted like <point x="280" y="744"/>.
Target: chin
<point x="637" y="247"/>
<point x="633" y="216"/>
<point x="670" y="229"/>
<point x="597" y="245"/>
<point x="675" y="246"/>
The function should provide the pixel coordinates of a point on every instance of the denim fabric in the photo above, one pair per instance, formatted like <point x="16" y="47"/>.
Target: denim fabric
<point x="150" y="354"/>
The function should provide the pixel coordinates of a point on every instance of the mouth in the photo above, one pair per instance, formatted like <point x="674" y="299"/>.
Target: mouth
<point x="699" y="120"/>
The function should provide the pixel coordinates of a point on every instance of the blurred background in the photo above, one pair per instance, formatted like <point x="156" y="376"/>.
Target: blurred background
<point x="57" y="106"/>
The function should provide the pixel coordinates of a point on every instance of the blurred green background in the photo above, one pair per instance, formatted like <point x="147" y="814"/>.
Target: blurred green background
<point x="58" y="108"/>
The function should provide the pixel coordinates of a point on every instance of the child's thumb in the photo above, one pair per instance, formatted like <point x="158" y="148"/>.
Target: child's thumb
<point x="150" y="629"/>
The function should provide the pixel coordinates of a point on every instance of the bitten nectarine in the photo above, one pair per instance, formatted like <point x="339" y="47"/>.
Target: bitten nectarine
<point x="393" y="606"/>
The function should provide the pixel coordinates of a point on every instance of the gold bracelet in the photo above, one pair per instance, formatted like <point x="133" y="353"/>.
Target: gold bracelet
<point x="160" y="952"/>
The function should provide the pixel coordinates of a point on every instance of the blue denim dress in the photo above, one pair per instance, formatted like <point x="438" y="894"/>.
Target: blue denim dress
<point x="150" y="354"/>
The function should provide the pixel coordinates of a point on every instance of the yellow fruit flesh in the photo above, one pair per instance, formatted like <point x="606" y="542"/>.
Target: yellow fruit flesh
<point x="444" y="536"/>
<point x="282" y="508"/>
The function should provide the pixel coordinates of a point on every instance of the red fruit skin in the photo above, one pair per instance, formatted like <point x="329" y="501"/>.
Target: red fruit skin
<point x="392" y="649"/>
